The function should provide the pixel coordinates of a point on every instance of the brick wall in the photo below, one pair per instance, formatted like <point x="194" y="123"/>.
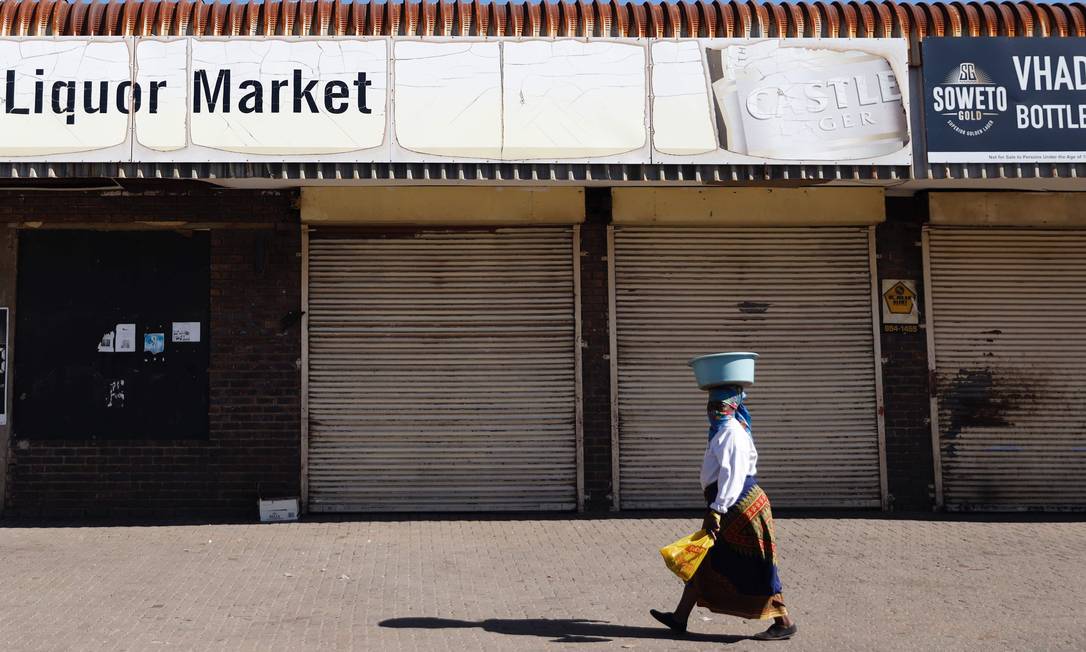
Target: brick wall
<point x="595" y="354"/>
<point x="254" y="378"/>
<point x="910" y="473"/>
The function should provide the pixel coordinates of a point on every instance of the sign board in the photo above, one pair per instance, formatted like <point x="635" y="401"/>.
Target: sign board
<point x="764" y="100"/>
<point x="900" y="304"/>
<point x="1004" y="100"/>
<point x="390" y="99"/>
<point x="4" y="366"/>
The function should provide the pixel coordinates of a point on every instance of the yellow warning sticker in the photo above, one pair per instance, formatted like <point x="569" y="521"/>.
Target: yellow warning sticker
<point x="899" y="302"/>
<point x="899" y="299"/>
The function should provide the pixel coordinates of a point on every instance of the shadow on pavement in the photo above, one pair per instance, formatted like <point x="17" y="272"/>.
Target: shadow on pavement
<point x="559" y="631"/>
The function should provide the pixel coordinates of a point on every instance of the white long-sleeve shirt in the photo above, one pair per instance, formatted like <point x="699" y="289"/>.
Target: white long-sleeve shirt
<point x="730" y="457"/>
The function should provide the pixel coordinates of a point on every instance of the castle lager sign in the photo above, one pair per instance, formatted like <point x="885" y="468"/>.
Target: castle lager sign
<point x="756" y="101"/>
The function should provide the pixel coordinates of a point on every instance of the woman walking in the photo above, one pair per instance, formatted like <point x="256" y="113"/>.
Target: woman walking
<point x="739" y="574"/>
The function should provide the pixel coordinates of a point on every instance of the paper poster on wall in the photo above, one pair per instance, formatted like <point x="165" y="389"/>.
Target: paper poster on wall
<point x="3" y="366"/>
<point x="154" y="343"/>
<point x="125" y="338"/>
<point x="105" y="345"/>
<point x="186" y="331"/>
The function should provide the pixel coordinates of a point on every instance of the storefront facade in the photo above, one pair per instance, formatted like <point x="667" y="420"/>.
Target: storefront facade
<point x="404" y="309"/>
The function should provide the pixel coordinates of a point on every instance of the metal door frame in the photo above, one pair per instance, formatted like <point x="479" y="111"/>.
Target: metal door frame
<point x="876" y="343"/>
<point x="578" y="367"/>
<point x="304" y="470"/>
<point x="612" y="322"/>
<point x="933" y="400"/>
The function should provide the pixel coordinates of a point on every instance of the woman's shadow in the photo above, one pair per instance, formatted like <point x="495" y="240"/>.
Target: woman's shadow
<point x="559" y="630"/>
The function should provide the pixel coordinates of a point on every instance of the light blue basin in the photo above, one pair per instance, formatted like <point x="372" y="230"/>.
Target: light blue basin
<point x="718" y="369"/>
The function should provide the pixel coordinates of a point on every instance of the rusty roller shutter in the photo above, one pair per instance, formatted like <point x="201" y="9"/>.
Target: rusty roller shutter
<point x="801" y="298"/>
<point x="1009" y="312"/>
<point x="441" y="371"/>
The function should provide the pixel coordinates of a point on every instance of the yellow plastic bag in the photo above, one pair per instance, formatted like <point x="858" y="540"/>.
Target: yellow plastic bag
<point x="684" y="556"/>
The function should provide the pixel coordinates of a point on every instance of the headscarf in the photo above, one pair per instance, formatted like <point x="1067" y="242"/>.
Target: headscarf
<point x="727" y="403"/>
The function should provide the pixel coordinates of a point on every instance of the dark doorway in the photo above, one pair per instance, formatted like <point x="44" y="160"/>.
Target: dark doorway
<point x="112" y="335"/>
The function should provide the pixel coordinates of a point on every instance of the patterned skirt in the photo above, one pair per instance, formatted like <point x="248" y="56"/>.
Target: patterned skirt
<point x="739" y="575"/>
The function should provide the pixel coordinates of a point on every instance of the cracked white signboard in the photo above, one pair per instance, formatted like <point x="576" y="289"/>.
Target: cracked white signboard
<point x="262" y="99"/>
<point x="279" y="97"/>
<point x="462" y="78"/>
<point x="521" y="100"/>
<point x="795" y="100"/>
<point x="380" y="99"/>
<point x="65" y="99"/>
<point x="572" y="99"/>
<point x="255" y="99"/>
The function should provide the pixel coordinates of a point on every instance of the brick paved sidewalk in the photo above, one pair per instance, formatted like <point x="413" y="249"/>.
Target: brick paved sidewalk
<point x="528" y="585"/>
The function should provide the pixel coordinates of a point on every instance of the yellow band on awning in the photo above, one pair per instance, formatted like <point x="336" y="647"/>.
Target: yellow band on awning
<point x="442" y="206"/>
<point x="749" y="206"/>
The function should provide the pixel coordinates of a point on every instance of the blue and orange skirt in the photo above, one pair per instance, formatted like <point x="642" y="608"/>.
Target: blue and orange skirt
<point x="739" y="575"/>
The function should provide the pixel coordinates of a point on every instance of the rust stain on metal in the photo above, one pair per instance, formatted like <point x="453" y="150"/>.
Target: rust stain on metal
<point x="979" y="398"/>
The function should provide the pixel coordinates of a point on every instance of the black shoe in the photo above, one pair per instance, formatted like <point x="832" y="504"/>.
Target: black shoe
<point x="669" y="620"/>
<point x="777" y="633"/>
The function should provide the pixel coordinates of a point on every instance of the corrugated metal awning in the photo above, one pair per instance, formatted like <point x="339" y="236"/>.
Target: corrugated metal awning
<point x="549" y="18"/>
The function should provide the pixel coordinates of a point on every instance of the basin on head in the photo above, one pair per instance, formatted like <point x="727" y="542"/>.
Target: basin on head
<point x="719" y="369"/>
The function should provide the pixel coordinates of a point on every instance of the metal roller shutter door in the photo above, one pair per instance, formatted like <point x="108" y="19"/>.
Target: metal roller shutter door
<point x="1009" y="313"/>
<point x="441" y="371"/>
<point x="801" y="298"/>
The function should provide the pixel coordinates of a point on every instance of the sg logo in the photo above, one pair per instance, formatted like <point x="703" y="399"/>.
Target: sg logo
<point x="967" y="72"/>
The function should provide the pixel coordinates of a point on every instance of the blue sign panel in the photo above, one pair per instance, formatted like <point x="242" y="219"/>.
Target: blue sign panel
<point x="1005" y="100"/>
